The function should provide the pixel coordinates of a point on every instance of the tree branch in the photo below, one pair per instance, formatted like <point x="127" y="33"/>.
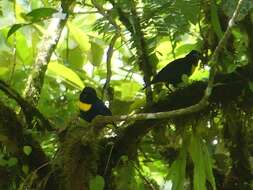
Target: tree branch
<point x="29" y="111"/>
<point x="106" y="88"/>
<point x="48" y="44"/>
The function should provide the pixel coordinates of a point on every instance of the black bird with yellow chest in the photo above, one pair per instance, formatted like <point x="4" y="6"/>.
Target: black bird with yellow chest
<point x="90" y="105"/>
<point x="172" y="72"/>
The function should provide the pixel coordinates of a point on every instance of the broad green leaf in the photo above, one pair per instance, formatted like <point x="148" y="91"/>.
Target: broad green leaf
<point x="14" y="28"/>
<point x="27" y="150"/>
<point x="60" y="71"/>
<point x="184" y="49"/>
<point x="202" y="164"/>
<point x="25" y="169"/>
<point x="3" y="70"/>
<point x="177" y="170"/>
<point x="80" y="37"/>
<point x="199" y="177"/>
<point x="75" y="57"/>
<point x="96" y="54"/>
<point x="40" y="14"/>
<point x="23" y="50"/>
<point x="215" y="20"/>
<point x="208" y="167"/>
<point x="97" y="183"/>
<point x="12" y="161"/>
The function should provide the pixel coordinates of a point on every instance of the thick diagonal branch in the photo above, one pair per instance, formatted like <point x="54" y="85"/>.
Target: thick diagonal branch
<point x="29" y="111"/>
<point x="48" y="44"/>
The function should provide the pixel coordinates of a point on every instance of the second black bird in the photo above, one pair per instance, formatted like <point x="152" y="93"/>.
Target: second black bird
<point x="90" y="105"/>
<point x="172" y="72"/>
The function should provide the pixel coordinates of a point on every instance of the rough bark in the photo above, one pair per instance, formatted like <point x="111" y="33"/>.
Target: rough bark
<point x="46" y="48"/>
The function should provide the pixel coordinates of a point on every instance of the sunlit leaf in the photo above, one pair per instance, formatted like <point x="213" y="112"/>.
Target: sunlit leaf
<point x="14" y="28"/>
<point x="3" y="70"/>
<point x="75" y="57"/>
<point x="57" y="70"/>
<point x="40" y="14"/>
<point x="23" y="50"/>
<point x="96" y="54"/>
<point x="80" y="37"/>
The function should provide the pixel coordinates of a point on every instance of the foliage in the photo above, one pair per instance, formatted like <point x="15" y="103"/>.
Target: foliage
<point x="185" y="153"/>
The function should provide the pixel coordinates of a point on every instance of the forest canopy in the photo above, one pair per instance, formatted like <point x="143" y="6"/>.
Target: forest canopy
<point x="102" y="94"/>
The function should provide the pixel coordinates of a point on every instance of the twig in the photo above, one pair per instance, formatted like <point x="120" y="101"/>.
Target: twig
<point x="144" y="178"/>
<point x="106" y="88"/>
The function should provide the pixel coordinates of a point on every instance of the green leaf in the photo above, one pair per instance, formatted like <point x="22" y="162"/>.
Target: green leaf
<point x="97" y="52"/>
<point x="12" y="161"/>
<point x="229" y="6"/>
<point x="14" y="28"/>
<point x="202" y="164"/>
<point x="97" y="183"/>
<point x="27" y="150"/>
<point x="208" y="167"/>
<point x="3" y="70"/>
<point x="40" y="14"/>
<point x="3" y="162"/>
<point x="60" y="71"/>
<point x="184" y="49"/>
<point x="23" y="49"/>
<point x="177" y="170"/>
<point x="250" y="86"/>
<point x="199" y="177"/>
<point x="75" y="57"/>
<point x="190" y="9"/>
<point x="215" y="20"/>
<point x="25" y="169"/>
<point x="80" y="37"/>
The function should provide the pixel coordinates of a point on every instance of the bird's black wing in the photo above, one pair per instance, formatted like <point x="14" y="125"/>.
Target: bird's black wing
<point x="101" y="109"/>
<point x="172" y="72"/>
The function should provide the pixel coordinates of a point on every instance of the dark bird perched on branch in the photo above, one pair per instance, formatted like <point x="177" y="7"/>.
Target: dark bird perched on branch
<point x="90" y="105"/>
<point x="172" y="72"/>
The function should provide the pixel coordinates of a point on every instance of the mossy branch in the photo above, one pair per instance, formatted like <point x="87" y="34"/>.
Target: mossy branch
<point x="29" y="111"/>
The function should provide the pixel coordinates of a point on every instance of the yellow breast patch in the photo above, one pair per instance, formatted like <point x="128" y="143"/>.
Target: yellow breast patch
<point x="84" y="106"/>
